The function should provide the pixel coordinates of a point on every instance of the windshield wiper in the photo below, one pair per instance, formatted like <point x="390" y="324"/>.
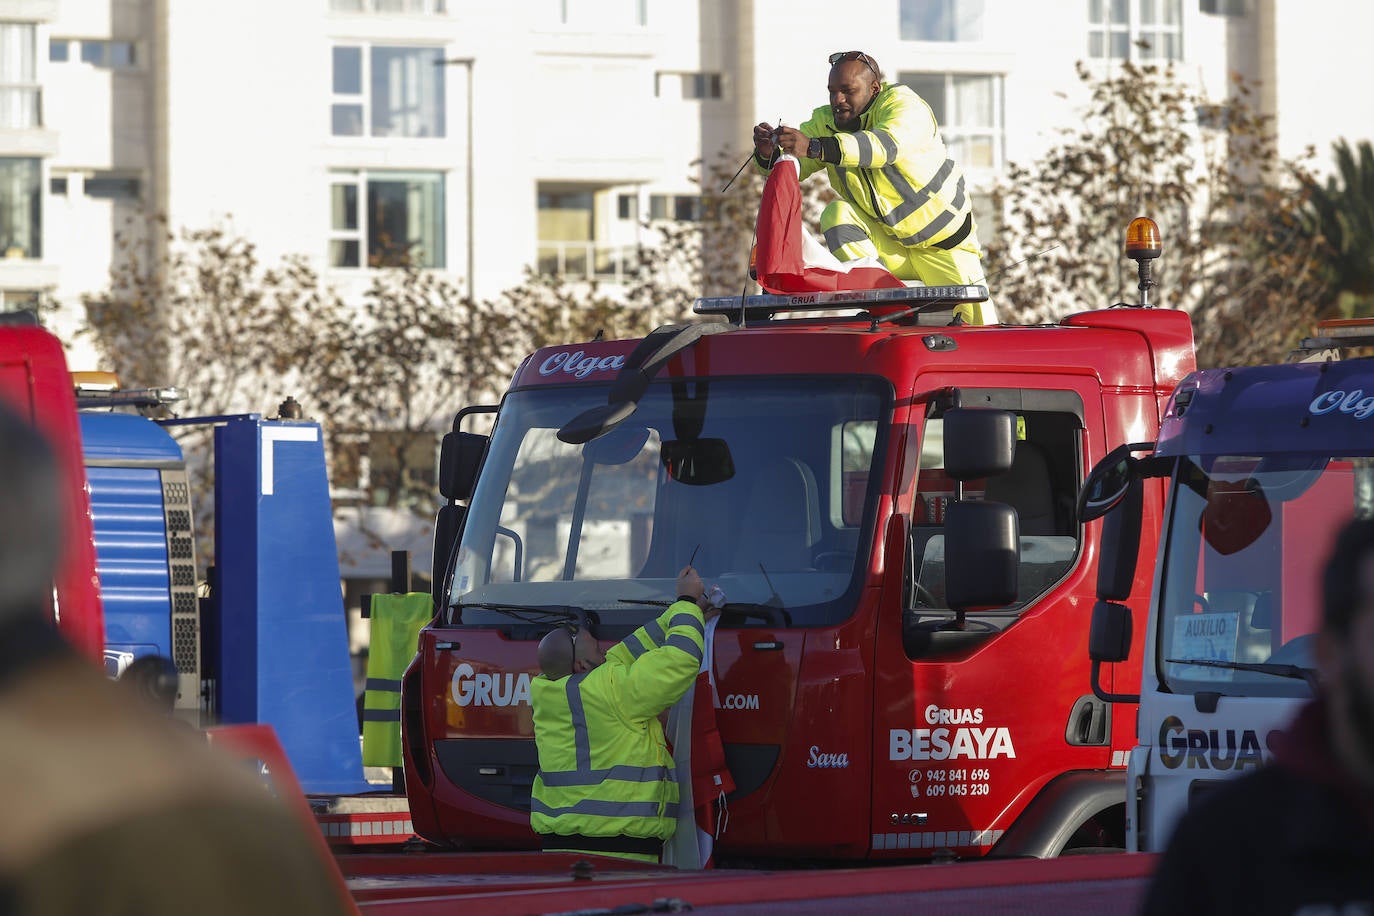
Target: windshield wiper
<point x="1294" y="671"/>
<point x="770" y="612"/>
<point x="532" y="613"/>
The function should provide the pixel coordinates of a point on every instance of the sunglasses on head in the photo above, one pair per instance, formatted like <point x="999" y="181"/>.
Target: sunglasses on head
<point x="839" y="56"/>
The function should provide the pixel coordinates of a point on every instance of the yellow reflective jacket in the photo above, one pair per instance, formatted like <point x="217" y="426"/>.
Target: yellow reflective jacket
<point x="604" y="766"/>
<point x="395" y="629"/>
<point x="896" y="168"/>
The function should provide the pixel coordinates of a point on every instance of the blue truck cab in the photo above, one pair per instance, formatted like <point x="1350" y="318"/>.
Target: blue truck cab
<point x="261" y="636"/>
<point x="145" y="548"/>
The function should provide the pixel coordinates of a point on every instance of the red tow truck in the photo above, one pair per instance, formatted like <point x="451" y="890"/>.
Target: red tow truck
<point x="886" y="499"/>
<point x="34" y="381"/>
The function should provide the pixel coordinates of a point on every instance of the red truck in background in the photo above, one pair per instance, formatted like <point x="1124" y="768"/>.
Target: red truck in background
<point x="34" y="381"/>
<point x="886" y="500"/>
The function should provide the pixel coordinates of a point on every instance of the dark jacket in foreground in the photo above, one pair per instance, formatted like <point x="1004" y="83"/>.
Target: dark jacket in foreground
<point x="1295" y="836"/>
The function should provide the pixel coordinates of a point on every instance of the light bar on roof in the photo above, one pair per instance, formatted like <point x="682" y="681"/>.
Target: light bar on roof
<point x="855" y="298"/>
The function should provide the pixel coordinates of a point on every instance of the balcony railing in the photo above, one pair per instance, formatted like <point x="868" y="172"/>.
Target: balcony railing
<point x="587" y="261"/>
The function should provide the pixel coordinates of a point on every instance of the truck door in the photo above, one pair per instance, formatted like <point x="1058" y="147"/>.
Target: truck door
<point x="976" y="712"/>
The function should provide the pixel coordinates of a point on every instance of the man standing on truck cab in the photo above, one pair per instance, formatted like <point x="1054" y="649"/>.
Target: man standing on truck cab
<point x="605" y="784"/>
<point x="1297" y="835"/>
<point x="109" y="805"/>
<point x="902" y="200"/>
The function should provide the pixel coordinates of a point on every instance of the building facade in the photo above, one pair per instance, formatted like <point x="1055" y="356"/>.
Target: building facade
<point x="483" y="139"/>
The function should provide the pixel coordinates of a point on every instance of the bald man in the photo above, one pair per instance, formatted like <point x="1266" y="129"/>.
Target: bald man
<point x="605" y="784"/>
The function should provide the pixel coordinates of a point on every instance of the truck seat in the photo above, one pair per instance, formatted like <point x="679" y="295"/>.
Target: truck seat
<point x="1027" y="489"/>
<point x="782" y="517"/>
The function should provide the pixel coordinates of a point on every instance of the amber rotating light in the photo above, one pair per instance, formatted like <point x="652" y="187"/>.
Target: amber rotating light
<point x="1143" y="246"/>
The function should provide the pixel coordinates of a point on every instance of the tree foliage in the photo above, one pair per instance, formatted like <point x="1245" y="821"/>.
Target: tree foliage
<point x="386" y="375"/>
<point x="1342" y="212"/>
<point x="1237" y="255"/>
<point x="197" y="309"/>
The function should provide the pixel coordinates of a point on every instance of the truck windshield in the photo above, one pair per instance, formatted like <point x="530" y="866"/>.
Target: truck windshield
<point x="767" y="486"/>
<point x="1240" y="586"/>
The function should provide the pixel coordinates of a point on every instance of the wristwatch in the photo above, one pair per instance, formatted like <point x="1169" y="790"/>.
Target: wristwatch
<point x="813" y="149"/>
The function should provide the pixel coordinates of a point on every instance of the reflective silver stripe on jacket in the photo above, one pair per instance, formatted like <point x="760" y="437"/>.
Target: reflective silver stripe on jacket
<point x="599" y="808"/>
<point x="912" y="198"/>
<point x="685" y="643"/>
<point x="584" y="775"/>
<point x="687" y="620"/>
<point x="565" y="778"/>
<point x="885" y="140"/>
<point x="836" y="237"/>
<point x="578" y="713"/>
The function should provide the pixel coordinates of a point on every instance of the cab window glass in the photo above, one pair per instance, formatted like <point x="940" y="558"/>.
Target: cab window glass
<point x="1041" y="486"/>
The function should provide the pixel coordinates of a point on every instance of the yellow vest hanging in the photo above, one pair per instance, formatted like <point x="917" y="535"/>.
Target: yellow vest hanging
<point x="396" y="623"/>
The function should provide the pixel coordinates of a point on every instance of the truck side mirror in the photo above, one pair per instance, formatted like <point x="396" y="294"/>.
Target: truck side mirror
<point x="979" y="442"/>
<point x="448" y="526"/>
<point x="1109" y="480"/>
<point x="1120" y="544"/>
<point x="460" y="458"/>
<point x="982" y="554"/>
<point x="1109" y="641"/>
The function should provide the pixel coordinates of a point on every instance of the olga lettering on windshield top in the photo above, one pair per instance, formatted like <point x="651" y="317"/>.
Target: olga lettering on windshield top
<point x="1352" y="402"/>
<point x="579" y="365"/>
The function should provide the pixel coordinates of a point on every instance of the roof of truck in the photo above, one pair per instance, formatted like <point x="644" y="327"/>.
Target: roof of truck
<point x="1326" y="407"/>
<point x="1127" y="347"/>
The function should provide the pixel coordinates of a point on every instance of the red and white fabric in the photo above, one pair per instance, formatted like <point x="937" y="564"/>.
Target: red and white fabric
<point x="788" y="258"/>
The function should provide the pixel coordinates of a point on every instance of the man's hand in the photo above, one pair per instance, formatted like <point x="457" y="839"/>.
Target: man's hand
<point x="763" y="141"/>
<point x="793" y="141"/>
<point x="689" y="585"/>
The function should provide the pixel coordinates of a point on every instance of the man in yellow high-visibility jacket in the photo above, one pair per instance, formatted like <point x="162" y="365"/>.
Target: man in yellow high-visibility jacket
<point x="605" y="783"/>
<point x="902" y="200"/>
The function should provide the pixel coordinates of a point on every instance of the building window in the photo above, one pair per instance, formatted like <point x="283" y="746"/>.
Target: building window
<point x="1135" y="29"/>
<point x="107" y="186"/>
<point x="386" y="219"/>
<point x="382" y="91"/>
<point x="19" y="92"/>
<point x="688" y="85"/>
<point x="941" y="20"/>
<point x="109" y="55"/>
<point x="21" y="216"/>
<point x="1225" y="7"/>
<point x="24" y="300"/>
<point x="57" y="186"/>
<point x="627" y="206"/>
<point x="968" y="108"/>
<point x="680" y="207"/>
<point x="388" y="6"/>
<point x="568" y="245"/>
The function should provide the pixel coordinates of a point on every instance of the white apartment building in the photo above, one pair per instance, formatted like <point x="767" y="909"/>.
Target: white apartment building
<point x="484" y="137"/>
